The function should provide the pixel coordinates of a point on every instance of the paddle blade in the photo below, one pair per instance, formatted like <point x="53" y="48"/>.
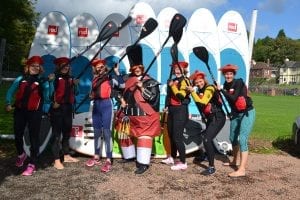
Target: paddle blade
<point x="177" y="36"/>
<point x="149" y="26"/>
<point x="125" y="22"/>
<point x="174" y="53"/>
<point x="201" y="53"/>
<point x="177" y="23"/>
<point x="107" y="31"/>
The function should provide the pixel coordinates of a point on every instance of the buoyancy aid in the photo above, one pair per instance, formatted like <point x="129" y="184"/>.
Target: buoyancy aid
<point x="101" y="88"/>
<point x="64" y="90"/>
<point x="29" y="95"/>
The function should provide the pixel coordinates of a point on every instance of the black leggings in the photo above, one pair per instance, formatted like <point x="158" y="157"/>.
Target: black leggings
<point x="177" y="119"/>
<point x="214" y="124"/>
<point x="61" y="122"/>
<point x="33" y="121"/>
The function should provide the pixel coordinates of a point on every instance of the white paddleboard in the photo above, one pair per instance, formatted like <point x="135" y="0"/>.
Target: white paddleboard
<point x="233" y="42"/>
<point x="84" y="31"/>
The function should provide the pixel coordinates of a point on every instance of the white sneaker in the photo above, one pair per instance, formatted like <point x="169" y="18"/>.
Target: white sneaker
<point x="168" y="161"/>
<point x="179" y="166"/>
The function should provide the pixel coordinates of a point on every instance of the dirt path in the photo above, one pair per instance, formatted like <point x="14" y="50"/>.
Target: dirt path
<point x="268" y="177"/>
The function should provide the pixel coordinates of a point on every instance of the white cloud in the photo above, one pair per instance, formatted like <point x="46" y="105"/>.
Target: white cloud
<point x="101" y="9"/>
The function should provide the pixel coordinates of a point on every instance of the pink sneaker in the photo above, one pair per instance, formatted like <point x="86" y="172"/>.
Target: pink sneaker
<point x="179" y="166"/>
<point x="106" y="167"/>
<point x="29" y="170"/>
<point x="20" y="159"/>
<point x="168" y="161"/>
<point x="93" y="161"/>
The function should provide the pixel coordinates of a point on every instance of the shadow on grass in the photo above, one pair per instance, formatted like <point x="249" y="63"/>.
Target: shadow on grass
<point x="287" y="145"/>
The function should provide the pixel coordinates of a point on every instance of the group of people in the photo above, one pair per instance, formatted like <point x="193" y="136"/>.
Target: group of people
<point x="139" y="102"/>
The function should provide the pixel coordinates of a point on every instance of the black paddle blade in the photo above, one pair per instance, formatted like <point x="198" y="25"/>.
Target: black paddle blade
<point x="174" y="53"/>
<point x="107" y="31"/>
<point x="149" y="26"/>
<point x="201" y="53"/>
<point x="177" y="36"/>
<point x="177" y="23"/>
<point x="125" y="22"/>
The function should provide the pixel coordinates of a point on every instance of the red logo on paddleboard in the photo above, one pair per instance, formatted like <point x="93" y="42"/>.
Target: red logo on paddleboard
<point x="232" y="27"/>
<point x="52" y="30"/>
<point x="83" y="32"/>
<point x="77" y="131"/>
<point x="140" y="19"/>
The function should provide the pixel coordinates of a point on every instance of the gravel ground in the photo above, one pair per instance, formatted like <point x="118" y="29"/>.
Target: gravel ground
<point x="268" y="177"/>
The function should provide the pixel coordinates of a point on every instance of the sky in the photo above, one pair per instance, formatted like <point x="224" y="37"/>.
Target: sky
<point x="272" y="15"/>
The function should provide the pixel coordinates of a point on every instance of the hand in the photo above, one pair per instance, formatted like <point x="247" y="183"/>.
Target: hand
<point x="190" y="89"/>
<point x="171" y="82"/>
<point x="218" y="87"/>
<point x="76" y="81"/>
<point x="123" y="103"/>
<point x="139" y="84"/>
<point x="8" y="108"/>
<point x="55" y="105"/>
<point x="51" y="77"/>
<point x="165" y="109"/>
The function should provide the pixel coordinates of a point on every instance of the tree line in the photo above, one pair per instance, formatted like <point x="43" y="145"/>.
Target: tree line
<point x="18" y="22"/>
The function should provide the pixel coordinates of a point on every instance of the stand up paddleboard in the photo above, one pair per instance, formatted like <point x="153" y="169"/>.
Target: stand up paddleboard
<point x="233" y="42"/>
<point x="84" y="31"/>
<point x="51" y="40"/>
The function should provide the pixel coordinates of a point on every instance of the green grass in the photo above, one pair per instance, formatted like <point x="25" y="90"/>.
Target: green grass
<point x="274" y="116"/>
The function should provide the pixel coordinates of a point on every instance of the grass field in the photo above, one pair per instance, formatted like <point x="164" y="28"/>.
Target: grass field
<point x="274" y="115"/>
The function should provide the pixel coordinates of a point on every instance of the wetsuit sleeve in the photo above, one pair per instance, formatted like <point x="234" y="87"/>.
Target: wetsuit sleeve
<point x="180" y="93"/>
<point x="208" y="94"/>
<point x="12" y="90"/>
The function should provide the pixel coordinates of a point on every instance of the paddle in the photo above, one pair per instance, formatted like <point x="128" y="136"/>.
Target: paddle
<point x="147" y="29"/>
<point x="177" y="23"/>
<point x="149" y="26"/>
<point x="107" y="32"/>
<point x="202" y="53"/>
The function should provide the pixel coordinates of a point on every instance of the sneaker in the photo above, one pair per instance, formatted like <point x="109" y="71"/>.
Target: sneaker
<point x="208" y="171"/>
<point x="106" y="167"/>
<point x="179" y="166"/>
<point x="93" y="161"/>
<point x="29" y="170"/>
<point x="20" y="159"/>
<point x="168" y="161"/>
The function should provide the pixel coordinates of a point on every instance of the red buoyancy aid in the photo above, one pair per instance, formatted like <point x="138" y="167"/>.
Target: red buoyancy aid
<point x="64" y="91"/>
<point x="102" y="89"/>
<point x="28" y="95"/>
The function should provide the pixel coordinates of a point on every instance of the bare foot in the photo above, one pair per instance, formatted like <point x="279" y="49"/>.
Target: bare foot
<point x="58" y="165"/>
<point x="238" y="173"/>
<point x="68" y="158"/>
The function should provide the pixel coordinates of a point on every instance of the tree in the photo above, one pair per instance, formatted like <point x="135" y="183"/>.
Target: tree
<point x="17" y="26"/>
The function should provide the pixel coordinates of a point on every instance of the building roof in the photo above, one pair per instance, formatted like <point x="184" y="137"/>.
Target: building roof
<point x="291" y="64"/>
<point x="262" y="65"/>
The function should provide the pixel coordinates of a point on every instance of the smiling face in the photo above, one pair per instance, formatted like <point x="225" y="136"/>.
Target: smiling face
<point x="65" y="69"/>
<point x="177" y="71"/>
<point x="229" y="76"/>
<point x="34" y="68"/>
<point x="100" y="68"/>
<point x="137" y="71"/>
<point x="199" y="82"/>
